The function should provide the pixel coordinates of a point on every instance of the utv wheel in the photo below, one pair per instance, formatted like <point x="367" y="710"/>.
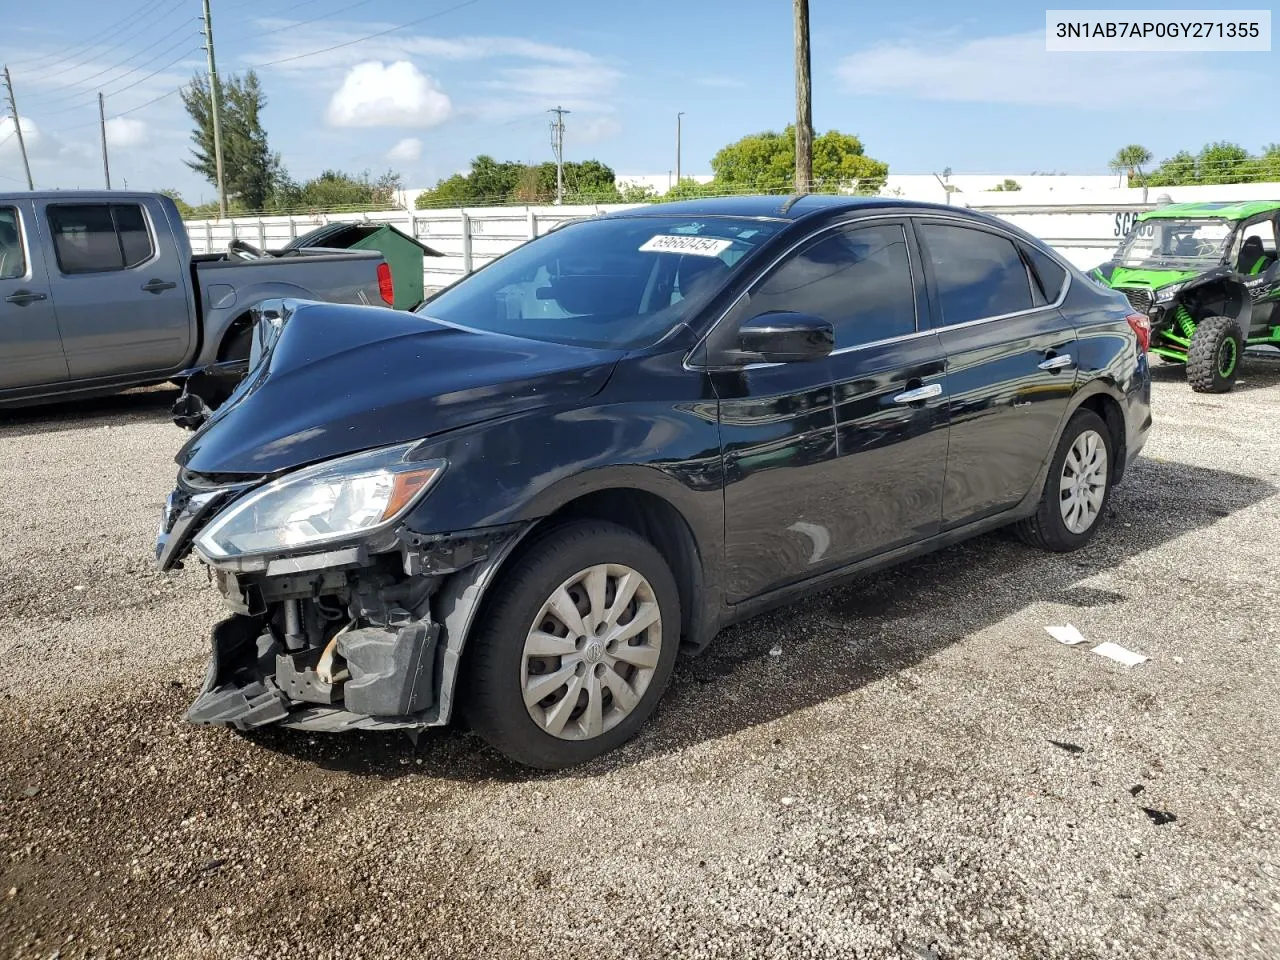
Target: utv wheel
<point x="575" y="648"/>
<point x="1076" y="489"/>
<point x="1213" y="359"/>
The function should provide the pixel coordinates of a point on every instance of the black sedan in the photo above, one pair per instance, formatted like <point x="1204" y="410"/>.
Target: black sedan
<point x="522" y="501"/>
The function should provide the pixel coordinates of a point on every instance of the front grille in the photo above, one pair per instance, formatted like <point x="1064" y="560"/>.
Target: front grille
<point x="1139" y="299"/>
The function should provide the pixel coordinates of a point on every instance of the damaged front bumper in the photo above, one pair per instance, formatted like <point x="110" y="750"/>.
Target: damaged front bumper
<point x="364" y="636"/>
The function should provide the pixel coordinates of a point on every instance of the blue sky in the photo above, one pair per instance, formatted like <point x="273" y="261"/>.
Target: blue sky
<point x="926" y="85"/>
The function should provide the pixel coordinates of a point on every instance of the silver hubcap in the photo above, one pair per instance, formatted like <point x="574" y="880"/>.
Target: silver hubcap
<point x="591" y="652"/>
<point x="1084" y="482"/>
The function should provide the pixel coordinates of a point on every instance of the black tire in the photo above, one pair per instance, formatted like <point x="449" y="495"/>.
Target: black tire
<point x="1046" y="528"/>
<point x="493" y="701"/>
<point x="1213" y="359"/>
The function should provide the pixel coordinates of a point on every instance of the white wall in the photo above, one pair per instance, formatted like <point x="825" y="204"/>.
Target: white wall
<point x="1085" y="226"/>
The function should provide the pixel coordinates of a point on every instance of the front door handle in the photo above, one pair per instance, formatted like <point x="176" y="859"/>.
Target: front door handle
<point x="155" y="286"/>
<point x="1059" y="362"/>
<point x="23" y="297"/>
<point x="927" y="392"/>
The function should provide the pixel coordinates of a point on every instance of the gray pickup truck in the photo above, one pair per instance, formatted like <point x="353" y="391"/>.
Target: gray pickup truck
<point x="99" y="291"/>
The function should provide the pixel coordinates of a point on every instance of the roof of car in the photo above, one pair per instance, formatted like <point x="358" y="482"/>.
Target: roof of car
<point x="99" y="196"/>
<point x="795" y="207"/>
<point x="1242" y="210"/>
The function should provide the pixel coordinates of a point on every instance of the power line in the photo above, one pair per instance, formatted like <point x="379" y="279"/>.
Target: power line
<point x="78" y="49"/>
<point x="186" y="54"/>
<point x="142" y="66"/>
<point x="372" y="36"/>
<point x="122" y="113"/>
<point x="300" y="23"/>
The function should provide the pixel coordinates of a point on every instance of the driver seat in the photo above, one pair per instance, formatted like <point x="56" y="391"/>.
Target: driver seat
<point x="1253" y="259"/>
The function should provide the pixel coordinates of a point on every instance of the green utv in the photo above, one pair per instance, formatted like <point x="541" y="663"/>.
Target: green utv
<point x="1207" y="276"/>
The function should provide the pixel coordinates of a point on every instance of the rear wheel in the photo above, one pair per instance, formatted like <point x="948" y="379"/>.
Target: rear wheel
<point x="1076" y="490"/>
<point x="1213" y="359"/>
<point x="576" y="647"/>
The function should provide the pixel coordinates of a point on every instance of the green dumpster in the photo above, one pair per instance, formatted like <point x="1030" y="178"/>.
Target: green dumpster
<point x="403" y="253"/>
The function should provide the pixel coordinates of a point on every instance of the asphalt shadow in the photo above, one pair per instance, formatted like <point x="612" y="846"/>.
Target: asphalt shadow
<point x="883" y="623"/>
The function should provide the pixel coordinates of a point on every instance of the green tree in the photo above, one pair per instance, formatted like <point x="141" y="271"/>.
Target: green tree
<point x="1178" y="170"/>
<point x="1226" y="162"/>
<point x="690" y="189"/>
<point x="334" y="189"/>
<point x="251" y="172"/>
<point x="1130" y="159"/>
<point x="765" y="162"/>
<point x="1008" y="185"/>
<point x="636" y="193"/>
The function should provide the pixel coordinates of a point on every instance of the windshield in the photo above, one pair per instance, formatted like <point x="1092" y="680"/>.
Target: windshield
<point x="617" y="283"/>
<point x="1180" y="244"/>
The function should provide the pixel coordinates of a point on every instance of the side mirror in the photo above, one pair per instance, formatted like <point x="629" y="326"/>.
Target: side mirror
<point x="785" y="337"/>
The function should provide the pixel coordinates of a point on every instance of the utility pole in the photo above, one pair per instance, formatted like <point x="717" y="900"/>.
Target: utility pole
<point x="804" y="102"/>
<point x="17" y="127"/>
<point x="215" y="106"/>
<point x="678" y="116"/>
<point x="102" y="123"/>
<point x="557" y="144"/>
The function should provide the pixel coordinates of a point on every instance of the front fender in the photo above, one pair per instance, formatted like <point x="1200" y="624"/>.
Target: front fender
<point x="229" y="307"/>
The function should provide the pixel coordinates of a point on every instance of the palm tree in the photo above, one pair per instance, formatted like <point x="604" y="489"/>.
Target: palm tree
<point x="1129" y="159"/>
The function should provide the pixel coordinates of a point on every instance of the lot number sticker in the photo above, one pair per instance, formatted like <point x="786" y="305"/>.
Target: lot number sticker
<point x="698" y="246"/>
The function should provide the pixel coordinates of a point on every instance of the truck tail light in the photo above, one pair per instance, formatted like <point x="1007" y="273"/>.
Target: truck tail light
<point x="387" y="289"/>
<point x="1141" y="329"/>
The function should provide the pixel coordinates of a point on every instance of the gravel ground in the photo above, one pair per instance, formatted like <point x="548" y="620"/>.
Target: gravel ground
<point x="921" y="773"/>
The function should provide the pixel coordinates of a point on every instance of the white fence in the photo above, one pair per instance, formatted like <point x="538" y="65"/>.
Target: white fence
<point x="1085" y="231"/>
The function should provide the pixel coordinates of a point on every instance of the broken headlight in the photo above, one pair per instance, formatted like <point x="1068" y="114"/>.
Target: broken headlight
<point x="331" y="501"/>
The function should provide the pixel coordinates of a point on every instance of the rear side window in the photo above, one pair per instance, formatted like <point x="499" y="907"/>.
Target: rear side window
<point x="859" y="280"/>
<point x="99" y="237"/>
<point x="978" y="274"/>
<point x="13" y="261"/>
<point x="1049" y="272"/>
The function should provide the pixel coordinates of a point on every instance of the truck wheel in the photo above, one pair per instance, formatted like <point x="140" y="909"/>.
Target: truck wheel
<point x="575" y="647"/>
<point x="1076" y="489"/>
<point x="215" y="390"/>
<point x="1213" y="359"/>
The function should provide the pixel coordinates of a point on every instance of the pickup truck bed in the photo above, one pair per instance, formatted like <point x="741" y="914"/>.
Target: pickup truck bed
<point x="99" y="291"/>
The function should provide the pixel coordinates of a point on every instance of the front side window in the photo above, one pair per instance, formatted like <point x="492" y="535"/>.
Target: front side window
<point x="617" y="282"/>
<point x="99" y="237"/>
<point x="13" y="260"/>
<point x="978" y="274"/>
<point x="859" y="280"/>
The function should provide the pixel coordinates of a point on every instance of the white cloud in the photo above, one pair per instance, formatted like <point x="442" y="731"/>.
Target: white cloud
<point x="30" y="133"/>
<point x="408" y="150"/>
<point x="1016" y="68"/>
<point x="127" y="132"/>
<point x="388" y="95"/>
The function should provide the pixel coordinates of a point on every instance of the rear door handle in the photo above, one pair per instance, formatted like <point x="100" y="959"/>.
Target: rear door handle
<point x="920" y="393"/>
<point x="1061" y="362"/>
<point x="155" y="286"/>
<point x="23" y="297"/>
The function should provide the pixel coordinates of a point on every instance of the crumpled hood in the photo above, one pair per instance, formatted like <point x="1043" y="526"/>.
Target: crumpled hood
<point x="342" y="379"/>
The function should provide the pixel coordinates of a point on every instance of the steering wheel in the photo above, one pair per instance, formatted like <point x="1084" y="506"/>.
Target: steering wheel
<point x="244" y="250"/>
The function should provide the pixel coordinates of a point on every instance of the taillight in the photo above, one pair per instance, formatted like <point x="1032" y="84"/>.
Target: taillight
<point x="388" y="291"/>
<point x="1141" y="329"/>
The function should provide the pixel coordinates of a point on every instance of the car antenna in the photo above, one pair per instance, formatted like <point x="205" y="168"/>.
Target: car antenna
<point x="790" y="202"/>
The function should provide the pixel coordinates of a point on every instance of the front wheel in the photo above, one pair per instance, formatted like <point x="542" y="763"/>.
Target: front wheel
<point x="575" y="648"/>
<point x="1213" y="359"/>
<point x="1076" y="490"/>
